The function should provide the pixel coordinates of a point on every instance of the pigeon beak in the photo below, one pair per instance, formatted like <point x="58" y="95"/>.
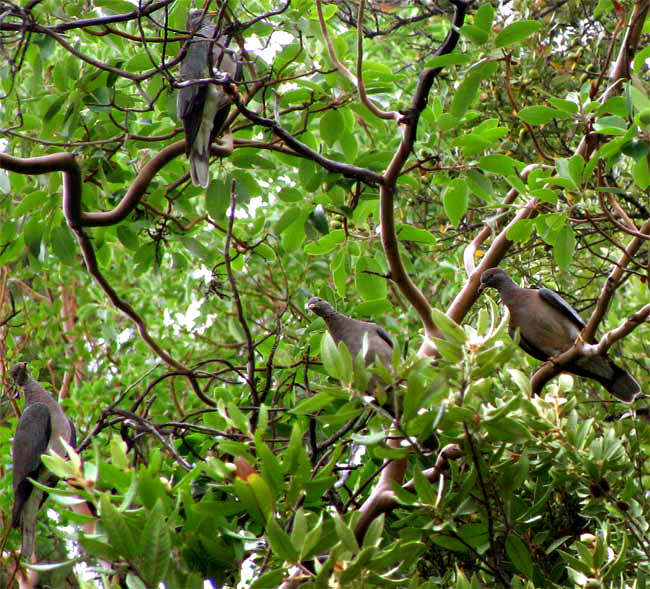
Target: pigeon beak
<point x="481" y="288"/>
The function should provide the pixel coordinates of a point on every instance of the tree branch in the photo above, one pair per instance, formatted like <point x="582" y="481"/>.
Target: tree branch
<point x="388" y="190"/>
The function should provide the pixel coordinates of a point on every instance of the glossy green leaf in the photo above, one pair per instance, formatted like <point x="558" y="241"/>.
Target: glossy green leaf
<point x="119" y="531"/>
<point x="410" y="233"/>
<point x="331" y="126"/>
<point x="519" y="554"/>
<point x="456" y="200"/>
<point x="156" y="557"/>
<point x="517" y="32"/>
<point x="465" y="94"/>
<point x="564" y="247"/>
<point x="540" y="115"/>
<point x="280" y="541"/>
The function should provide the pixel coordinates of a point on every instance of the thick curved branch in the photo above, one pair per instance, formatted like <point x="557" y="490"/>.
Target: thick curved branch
<point x="90" y="260"/>
<point x="388" y="190"/>
<point x="72" y="175"/>
<point x="363" y="96"/>
<point x="356" y="81"/>
<point x="382" y="499"/>
<point x="344" y="71"/>
<point x="66" y="163"/>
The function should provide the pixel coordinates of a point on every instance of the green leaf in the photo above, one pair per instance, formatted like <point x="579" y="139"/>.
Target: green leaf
<point x="544" y="194"/>
<point x="291" y="194"/>
<point x="448" y="59"/>
<point x="576" y="166"/>
<point x="157" y="547"/>
<point x="316" y="403"/>
<point x="519" y="554"/>
<point x="484" y="17"/>
<point x="500" y="164"/>
<point x="521" y="230"/>
<point x="564" y="247"/>
<point x="345" y="534"/>
<point x="476" y="535"/>
<point x="336" y="359"/>
<point x="540" y="115"/>
<point x="449" y="350"/>
<point x="326" y="244"/>
<point x="294" y="234"/>
<point x="63" y="245"/>
<point x="263" y="494"/>
<point x="636" y="149"/>
<point x="449" y="543"/>
<point x="119" y="532"/>
<point x="565" y="105"/>
<point x="198" y="250"/>
<point x="265" y="251"/>
<point x="425" y="490"/>
<point x="368" y="277"/>
<point x="456" y="200"/>
<point x="29" y="202"/>
<point x="217" y="198"/>
<point x="410" y="233"/>
<point x="332" y="125"/>
<point x="299" y="529"/>
<point x="479" y="184"/>
<point x="506" y="429"/>
<point x="465" y="94"/>
<point x="474" y="33"/>
<point x="448" y="326"/>
<point x="339" y="274"/>
<point x="12" y="252"/>
<point x="516" y="32"/>
<point x="611" y="126"/>
<point x="281" y="542"/>
<point x="641" y="173"/>
<point x="127" y="236"/>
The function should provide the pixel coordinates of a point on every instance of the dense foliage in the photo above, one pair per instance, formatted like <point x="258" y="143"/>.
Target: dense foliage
<point x="221" y="435"/>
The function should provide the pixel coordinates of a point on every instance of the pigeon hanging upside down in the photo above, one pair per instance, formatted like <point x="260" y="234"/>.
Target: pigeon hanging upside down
<point x="204" y="108"/>
<point x="548" y="326"/>
<point x="41" y="428"/>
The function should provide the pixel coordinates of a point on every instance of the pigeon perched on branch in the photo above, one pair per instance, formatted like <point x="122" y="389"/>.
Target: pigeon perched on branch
<point x="40" y="429"/>
<point x="548" y="326"/>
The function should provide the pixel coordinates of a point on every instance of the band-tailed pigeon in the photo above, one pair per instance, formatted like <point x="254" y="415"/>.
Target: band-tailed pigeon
<point x="204" y="108"/>
<point x="352" y="331"/>
<point x="548" y="326"/>
<point x="40" y="429"/>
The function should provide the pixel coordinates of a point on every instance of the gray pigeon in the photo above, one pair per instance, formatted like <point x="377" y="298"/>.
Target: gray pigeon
<point x="548" y="326"/>
<point x="40" y="429"/>
<point x="351" y="331"/>
<point x="204" y="108"/>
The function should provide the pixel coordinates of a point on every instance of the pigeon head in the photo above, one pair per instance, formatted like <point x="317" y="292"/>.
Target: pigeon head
<point x="493" y="278"/>
<point x="196" y="18"/>
<point x="19" y="373"/>
<point x="320" y="307"/>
